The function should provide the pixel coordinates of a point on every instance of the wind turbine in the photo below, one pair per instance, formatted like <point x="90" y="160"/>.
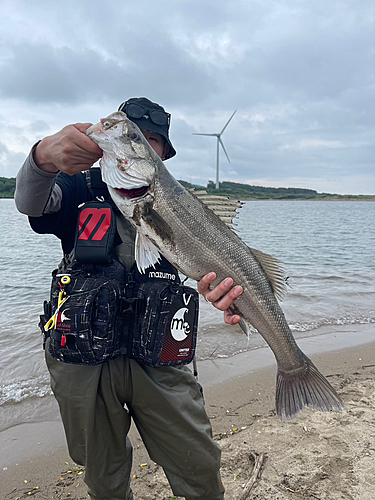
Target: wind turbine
<point x="217" y="149"/>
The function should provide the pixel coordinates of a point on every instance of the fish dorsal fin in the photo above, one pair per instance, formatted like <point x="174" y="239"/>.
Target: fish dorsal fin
<point x="222" y="206"/>
<point x="146" y="253"/>
<point x="274" y="269"/>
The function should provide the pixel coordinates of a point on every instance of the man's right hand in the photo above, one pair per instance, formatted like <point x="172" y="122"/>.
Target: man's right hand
<point x="69" y="151"/>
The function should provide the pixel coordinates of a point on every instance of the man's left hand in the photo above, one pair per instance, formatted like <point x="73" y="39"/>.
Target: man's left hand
<point x="222" y="296"/>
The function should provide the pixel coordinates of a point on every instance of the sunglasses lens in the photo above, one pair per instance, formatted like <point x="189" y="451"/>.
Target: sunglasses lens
<point x="134" y="110"/>
<point x="158" y="117"/>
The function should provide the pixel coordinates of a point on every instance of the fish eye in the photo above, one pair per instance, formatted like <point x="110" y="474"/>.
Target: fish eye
<point x="106" y="124"/>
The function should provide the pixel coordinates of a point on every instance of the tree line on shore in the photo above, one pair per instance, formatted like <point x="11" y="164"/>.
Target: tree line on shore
<point x="250" y="192"/>
<point x="7" y="187"/>
<point x="234" y="190"/>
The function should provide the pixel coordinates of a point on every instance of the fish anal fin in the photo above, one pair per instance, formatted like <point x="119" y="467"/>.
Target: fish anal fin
<point x="274" y="269"/>
<point x="245" y="326"/>
<point x="306" y="387"/>
<point x="146" y="253"/>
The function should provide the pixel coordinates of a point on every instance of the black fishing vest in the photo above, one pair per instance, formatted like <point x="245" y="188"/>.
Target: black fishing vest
<point x="98" y="309"/>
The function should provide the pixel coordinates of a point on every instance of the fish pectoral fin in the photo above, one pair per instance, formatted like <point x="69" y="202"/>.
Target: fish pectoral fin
<point x="146" y="253"/>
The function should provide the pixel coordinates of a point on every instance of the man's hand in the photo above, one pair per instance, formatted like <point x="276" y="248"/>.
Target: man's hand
<point x="222" y="296"/>
<point x="69" y="150"/>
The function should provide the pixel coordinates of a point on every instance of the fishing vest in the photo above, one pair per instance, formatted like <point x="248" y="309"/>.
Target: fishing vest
<point x="100" y="308"/>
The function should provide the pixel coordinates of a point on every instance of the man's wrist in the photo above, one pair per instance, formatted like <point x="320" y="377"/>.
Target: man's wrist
<point x="41" y="160"/>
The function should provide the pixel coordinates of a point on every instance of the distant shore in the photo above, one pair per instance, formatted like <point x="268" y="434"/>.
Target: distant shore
<point x="236" y="190"/>
<point x="248" y="192"/>
<point x="352" y="199"/>
<point x="363" y="198"/>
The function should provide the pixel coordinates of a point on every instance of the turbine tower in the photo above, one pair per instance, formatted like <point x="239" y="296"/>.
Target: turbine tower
<point x="219" y="141"/>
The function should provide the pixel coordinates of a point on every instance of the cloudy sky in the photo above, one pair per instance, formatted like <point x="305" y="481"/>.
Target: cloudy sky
<point x="300" y="74"/>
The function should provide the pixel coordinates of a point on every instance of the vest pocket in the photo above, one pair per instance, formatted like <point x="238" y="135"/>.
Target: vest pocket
<point x="165" y="333"/>
<point x="87" y="327"/>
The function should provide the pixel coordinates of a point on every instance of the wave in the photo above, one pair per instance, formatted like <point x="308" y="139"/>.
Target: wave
<point x="363" y="319"/>
<point x="17" y="392"/>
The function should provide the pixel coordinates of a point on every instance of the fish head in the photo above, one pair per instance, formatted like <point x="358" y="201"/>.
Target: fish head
<point x="129" y="167"/>
<point x="128" y="163"/>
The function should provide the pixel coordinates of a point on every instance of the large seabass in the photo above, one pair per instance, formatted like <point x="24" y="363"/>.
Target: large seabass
<point x="175" y="222"/>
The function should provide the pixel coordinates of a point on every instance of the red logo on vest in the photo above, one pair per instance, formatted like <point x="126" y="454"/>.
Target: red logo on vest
<point x="94" y="223"/>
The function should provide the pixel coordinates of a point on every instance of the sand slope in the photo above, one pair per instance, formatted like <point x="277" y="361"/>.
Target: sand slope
<point x="318" y="456"/>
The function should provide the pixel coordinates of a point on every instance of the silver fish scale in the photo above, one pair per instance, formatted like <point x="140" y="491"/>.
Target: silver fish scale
<point x="203" y="243"/>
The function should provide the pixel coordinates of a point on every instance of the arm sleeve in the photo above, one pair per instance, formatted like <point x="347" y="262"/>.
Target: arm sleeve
<point x="51" y="200"/>
<point x="37" y="192"/>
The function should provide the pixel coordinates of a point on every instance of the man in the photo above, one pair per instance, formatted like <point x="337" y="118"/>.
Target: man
<point x="98" y="402"/>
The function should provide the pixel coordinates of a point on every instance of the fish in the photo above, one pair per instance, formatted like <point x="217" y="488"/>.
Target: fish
<point x="193" y="232"/>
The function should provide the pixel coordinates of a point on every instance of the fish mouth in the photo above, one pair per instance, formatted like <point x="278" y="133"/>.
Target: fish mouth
<point x="132" y="193"/>
<point x="96" y="128"/>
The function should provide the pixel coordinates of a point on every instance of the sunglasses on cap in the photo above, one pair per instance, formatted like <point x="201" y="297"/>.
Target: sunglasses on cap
<point x="137" y="111"/>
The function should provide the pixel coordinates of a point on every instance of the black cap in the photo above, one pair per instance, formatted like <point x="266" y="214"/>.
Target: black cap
<point x="145" y="120"/>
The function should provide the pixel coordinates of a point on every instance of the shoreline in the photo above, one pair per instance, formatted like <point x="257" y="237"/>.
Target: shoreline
<point x="239" y="393"/>
<point x="304" y="199"/>
<point x="276" y="199"/>
<point x="331" y="338"/>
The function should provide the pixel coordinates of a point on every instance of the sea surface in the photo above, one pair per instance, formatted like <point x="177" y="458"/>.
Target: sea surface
<point x="327" y="248"/>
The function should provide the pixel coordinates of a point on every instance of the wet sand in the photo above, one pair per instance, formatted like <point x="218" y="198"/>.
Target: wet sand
<point x="319" y="455"/>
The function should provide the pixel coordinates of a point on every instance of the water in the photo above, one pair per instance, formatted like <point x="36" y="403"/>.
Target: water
<point x="327" y="249"/>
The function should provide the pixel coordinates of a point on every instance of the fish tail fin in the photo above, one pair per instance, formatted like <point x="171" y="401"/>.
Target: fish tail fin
<point x="306" y="387"/>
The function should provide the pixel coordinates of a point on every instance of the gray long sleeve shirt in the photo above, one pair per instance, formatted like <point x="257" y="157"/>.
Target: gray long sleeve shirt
<point x="36" y="191"/>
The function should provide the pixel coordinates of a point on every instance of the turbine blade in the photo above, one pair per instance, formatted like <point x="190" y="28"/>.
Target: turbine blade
<point x="215" y="135"/>
<point x="222" y="145"/>
<point x="225" y="126"/>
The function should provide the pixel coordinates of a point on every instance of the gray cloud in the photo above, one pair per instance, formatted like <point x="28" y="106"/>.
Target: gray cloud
<point x="40" y="73"/>
<point x="299" y="73"/>
<point x="10" y="161"/>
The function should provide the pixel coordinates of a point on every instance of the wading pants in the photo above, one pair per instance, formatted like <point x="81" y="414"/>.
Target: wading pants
<point x="165" y="405"/>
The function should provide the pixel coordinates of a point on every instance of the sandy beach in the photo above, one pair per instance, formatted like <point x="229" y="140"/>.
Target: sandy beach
<point x="317" y="456"/>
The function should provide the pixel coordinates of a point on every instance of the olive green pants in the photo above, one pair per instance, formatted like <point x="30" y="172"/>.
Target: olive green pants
<point x="165" y="405"/>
